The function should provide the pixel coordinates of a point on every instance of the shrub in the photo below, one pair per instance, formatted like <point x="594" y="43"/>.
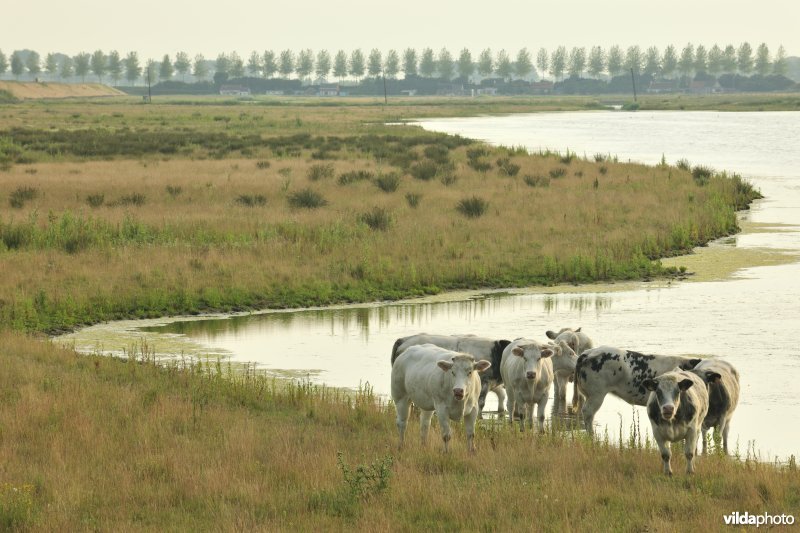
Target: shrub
<point x="21" y="195"/>
<point x="354" y="176"/>
<point x="320" y="171"/>
<point x="472" y="207"/>
<point x="603" y="169"/>
<point x="683" y="164"/>
<point x="599" y="158"/>
<point x="505" y="165"/>
<point x="437" y="153"/>
<point x="174" y="190"/>
<point x="567" y="158"/>
<point x="448" y="178"/>
<point x="479" y="165"/>
<point x="378" y="219"/>
<point x="388" y="182"/>
<point x="702" y="174"/>
<point x="96" y="200"/>
<point x="136" y="199"/>
<point x="251" y="200"/>
<point x="262" y="165"/>
<point x="559" y="172"/>
<point x="413" y="199"/>
<point x="306" y="199"/>
<point x="425" y="170"/>
<point x="536" y="180"/>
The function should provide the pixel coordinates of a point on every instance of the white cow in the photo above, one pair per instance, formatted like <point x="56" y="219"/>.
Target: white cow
<point x="579" y="342"/>
<point x="564" y="361"/>
<point x="676" y="408"/>
<point x="528" y="374"/>
<point x="479" y="347"/>
<point x="604" y="370"/>
<point x="723" y="396"/>
<point x="440" y="380"/>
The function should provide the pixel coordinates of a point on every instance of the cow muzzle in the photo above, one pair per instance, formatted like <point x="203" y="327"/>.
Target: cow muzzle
<point x="531" y="375"/>
<point x="458" y="394"/>
<point x="668" y="412"/>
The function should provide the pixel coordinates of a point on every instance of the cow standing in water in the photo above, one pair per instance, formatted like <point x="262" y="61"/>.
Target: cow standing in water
<point x="723" y="396"/>
<point x="579" y="342"/>
<point x="528" y="374"/>
<point x="482" y="348"/>
<point x="441" y="381"/>
<point x="676" y="408"/>
<point x="604" y="370"/>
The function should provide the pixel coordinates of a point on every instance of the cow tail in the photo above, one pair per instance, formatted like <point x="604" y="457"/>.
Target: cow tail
<point x="581" y="360"/>
<point x="397" y="344"/>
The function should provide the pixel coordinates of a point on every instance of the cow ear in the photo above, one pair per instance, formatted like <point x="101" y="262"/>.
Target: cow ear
<point x="551" y="334"/>
<point x="713" y="377"/>
<point x="519" y="352"/>
<point x="578" y="330"/>
<point x="482" y="365"/>
<point x="650" y="384"/>
<point x="685" y="384"/>
<point x="445" y="365"/>
<point x="547" y="352"/>
<point x="690" y="364"/>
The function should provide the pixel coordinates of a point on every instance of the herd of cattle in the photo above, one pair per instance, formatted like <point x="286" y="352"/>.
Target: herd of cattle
<point x="446" y="374"/>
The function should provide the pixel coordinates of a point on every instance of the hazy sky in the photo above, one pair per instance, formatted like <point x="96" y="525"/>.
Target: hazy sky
<point x="157" y="27"/>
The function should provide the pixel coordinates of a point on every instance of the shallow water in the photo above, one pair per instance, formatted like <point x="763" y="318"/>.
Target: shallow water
<point x="752" y="318"/>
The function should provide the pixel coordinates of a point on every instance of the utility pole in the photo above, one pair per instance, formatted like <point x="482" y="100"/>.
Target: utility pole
<point x="633" y="81"/>
<point x="385" y="97"/>
<point x="149" y="94"/>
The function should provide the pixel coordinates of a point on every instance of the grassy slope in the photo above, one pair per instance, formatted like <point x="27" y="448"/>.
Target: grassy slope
<point x="50" y="90"/>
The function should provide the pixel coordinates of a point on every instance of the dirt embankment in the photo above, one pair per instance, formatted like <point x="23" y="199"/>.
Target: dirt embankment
<point x="34" y="90"/>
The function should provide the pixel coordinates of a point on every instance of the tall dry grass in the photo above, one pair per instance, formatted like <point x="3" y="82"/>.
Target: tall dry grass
<point x="97" y="443"/>
<point x="185" y="233"/>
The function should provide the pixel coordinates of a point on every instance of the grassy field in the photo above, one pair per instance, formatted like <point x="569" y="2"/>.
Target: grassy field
<point x="91" y="443"/>
<point x="189" y="209"/>
<point x="192" y="206"/>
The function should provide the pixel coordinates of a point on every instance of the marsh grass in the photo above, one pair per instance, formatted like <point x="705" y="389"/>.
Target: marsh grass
<point x="306" y="199"/>
<point x="378" y="219"/>
<point x="387" y="182"/>
<point x="21" y="195"/>
<point x="199" y="251"/>
<point x="472" y="207"/>
<point x="204" y="445"/>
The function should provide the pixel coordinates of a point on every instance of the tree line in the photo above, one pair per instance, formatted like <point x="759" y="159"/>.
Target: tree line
<point x="306" y="65"/>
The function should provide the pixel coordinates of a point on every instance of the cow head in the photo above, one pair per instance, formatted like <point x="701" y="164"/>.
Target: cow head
<point x="667" y="390"/>
<point x="463" y="368"/>
<point x="532" y="354"/>
<point x="689" y="364"/>
<point x="567" y="354"/>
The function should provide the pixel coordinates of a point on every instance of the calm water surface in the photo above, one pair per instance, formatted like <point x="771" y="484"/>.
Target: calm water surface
<point x="752" y="320"/>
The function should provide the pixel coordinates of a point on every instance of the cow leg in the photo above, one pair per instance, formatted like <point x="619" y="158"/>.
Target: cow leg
<point x="528" y="419"/>
<point x="725" y="427"/>
<point x="577" y="399"/>
<point x="511" y="403"/>
<point x="666" y="453"/>
<point x="590" y="407"/>
<point x="689" y="447"/>
<point x="540" y="412"/>
<point x="403" y="408"/>
<point x="704" y="438"/>
<point x="500" y="391"/>
<point x="469" y="426"/>
<point x="424" y="425"/>
<point x="482" y="396"/>
<point x="444" y="424"/>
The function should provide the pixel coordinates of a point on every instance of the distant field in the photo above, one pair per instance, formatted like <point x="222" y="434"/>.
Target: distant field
<point x="48" y="90"/>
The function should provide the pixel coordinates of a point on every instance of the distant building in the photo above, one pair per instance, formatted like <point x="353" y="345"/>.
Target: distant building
<point x="663" y="86"/>
<point x="234" y="90"/>
<point x="704" y="87"/>
<point x="542" y="87"/>
<point x="328" y="90"/>
<point x="486" y="91"/>
<point x="409" y="92"/>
